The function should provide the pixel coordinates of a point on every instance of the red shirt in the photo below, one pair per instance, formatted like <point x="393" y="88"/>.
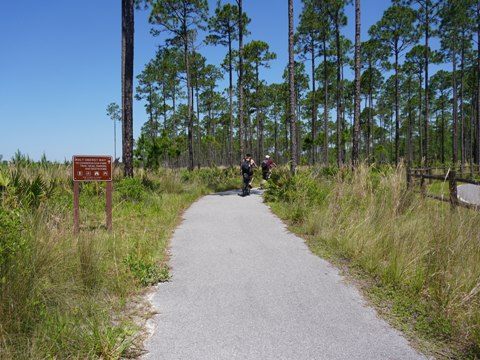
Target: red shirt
<point x="269" y="164"/>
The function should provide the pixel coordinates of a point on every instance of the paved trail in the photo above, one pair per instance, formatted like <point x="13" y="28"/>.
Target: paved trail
<point x="469" y="193"/>
<point x="243" y="287"/>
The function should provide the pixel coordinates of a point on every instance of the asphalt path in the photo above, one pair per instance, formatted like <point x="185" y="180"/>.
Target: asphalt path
<point x="244" y="287"/>
<point x="469" y="193"/>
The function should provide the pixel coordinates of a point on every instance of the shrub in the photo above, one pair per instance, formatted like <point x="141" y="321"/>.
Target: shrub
<point x="11" y="240"/>
<point x="147" y="273"/>
<point x="216" y="179"/>
<point x="130" y="188"/>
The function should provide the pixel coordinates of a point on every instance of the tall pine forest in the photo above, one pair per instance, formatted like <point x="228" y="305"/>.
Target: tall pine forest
<point x="411" y="94"/>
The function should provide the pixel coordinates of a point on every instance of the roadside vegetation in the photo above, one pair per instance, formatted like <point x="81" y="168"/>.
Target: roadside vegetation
<point x="65" y="296"/>
<point x="418" y="261"/>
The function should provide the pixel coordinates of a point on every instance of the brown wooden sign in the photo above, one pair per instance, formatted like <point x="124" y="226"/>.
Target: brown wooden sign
<point x="92" y="168"/>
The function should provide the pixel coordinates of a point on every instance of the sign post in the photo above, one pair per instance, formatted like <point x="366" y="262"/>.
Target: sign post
<point x="91" y="168"/>
<point x="76" y="207"/>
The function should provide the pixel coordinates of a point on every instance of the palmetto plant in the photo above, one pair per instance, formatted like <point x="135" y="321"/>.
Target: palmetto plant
<point x="4" y="181"/>
<point x="29" y="192"/>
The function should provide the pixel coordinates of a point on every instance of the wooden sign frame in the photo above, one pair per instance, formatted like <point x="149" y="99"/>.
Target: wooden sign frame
<point x="91" y="168"/>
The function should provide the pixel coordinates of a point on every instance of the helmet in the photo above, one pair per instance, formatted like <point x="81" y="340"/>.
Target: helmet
<point x="267" y="156"/>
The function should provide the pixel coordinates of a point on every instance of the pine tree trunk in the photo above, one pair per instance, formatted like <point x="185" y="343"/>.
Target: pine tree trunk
<point x="258" y="115"/>
<point x="164" y="109"/>
<point x="343" y="110"/>
<point x="230" y="94"/>
<point x="298" y="132"/>
<point x="199" y="131"/>
<point x="339" y="106"/>
<point x="427" y="132"/>
<point x="127" y="86"/>
<point x="260" y="135"/>
<point x="356" y="116"/>
<point x="443" y="134"/>
<point x="409" y="131"/>
<point x="325" y="103"/>
<point x="240" y="77"/>
<point x="275" y="130"/>
<point x="174" y="123"/>
<point x="314" y="110"/>
<point x="478" y="85"/>
<point x="287" y="123"/>
<point x="420" y="107"/>
<point x="397" y="110"/>
<point x="462" y="117"/>
<point x="291" y="88"/>
<point x="370" y="115"/>
<point x="190" y="164"/>
<point x="249" y="126"/>
<point x="437" y="136"/>
<point x="470" y="132"/>
<point x="455" y="110"/>
<point x="210" y="133"/>
<point x="114" y="140"/>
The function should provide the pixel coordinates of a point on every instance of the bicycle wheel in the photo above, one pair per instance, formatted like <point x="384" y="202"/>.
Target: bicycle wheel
<point x="245" y="187"/>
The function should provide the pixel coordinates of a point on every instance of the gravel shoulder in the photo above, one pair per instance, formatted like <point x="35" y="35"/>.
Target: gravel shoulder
<point x="244" y="287"/>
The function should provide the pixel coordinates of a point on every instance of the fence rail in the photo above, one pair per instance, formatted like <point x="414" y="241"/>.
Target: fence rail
<point x="449" y="175"/>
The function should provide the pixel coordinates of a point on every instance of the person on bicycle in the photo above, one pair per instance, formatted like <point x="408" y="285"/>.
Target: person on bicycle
<point x="267" y="165"/>
<point x="246" y="168"/>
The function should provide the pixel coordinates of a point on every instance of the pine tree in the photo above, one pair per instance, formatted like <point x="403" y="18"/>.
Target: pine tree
<point x="427" y="15"/>
<point x="396" y="31"/>
<point x="257" y="53"/>
<point x="308" y="44"/>
<point x="114" y="112"/>
<point x="224" y="29"/>
<point x="181" y="18"/>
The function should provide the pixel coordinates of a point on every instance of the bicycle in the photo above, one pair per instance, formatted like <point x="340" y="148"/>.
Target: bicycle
<point x="246" y="185"/>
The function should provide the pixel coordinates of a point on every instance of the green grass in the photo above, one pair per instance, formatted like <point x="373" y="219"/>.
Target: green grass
<point x="417" y="260"/>
<point x="65" y="296"/>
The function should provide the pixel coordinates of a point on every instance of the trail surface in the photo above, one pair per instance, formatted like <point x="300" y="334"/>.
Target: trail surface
<point x="469" y="193"/>
<point x="243" y="287"/>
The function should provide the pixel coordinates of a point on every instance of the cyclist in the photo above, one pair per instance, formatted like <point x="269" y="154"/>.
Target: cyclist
<point x="246" y="168"/>
<point x="267" y="165"/>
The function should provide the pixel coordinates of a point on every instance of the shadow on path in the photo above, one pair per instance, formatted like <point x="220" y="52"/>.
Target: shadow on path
<point x="254" y="191"/>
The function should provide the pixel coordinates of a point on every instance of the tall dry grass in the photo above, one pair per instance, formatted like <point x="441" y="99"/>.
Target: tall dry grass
<point x="415" y="250"/>
<point x="69" y="296"/>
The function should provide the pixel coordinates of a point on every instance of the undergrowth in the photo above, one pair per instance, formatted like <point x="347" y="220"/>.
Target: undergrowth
<point x="68" y="296"/>
<point x="421" y="261"/>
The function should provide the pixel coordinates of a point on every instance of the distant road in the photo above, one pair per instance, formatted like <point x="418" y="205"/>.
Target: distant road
<point x="469" y="193"/>
<point x="243" y="287"/>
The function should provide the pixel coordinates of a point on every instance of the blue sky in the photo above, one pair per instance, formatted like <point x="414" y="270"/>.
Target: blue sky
<point x="60" y="68"/>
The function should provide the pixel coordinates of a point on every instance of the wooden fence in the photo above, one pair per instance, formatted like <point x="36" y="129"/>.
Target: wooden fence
<point x="450" y="175"/>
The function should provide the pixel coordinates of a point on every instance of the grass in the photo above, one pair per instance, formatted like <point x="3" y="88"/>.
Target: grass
<point x="414" y="257"/>
<point x="65" y="296"/>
